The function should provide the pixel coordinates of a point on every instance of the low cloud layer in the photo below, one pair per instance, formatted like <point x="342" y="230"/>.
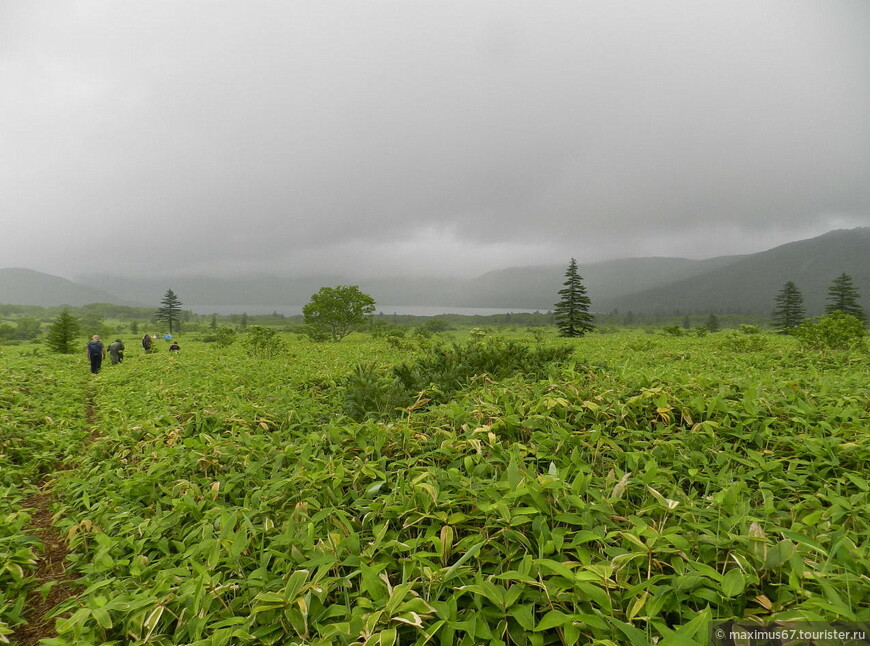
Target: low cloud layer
<point x="425" y="137"/>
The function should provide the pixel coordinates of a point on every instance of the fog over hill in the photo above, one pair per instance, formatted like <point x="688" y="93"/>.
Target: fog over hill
<point x="19" y="286"/>
<point x="740" y="284"/>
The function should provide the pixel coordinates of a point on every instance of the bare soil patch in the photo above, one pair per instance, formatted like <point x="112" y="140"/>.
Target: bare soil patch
<point x="51" y="566"/>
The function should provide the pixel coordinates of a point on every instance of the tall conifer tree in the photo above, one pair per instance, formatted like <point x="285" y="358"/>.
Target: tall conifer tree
<point x="62" y="333"/>
<point x="572" y="311"/>
<point x="843" y="297"/>
<point x="169" y="310"/>
<point x="789" y="312"/>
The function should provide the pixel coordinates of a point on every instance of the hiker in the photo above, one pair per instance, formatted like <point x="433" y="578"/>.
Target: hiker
<point x="174" y="347"/>
<point x="116" y="351"/>
<point x="146" y="342"/>
<point x="96" y="353"/>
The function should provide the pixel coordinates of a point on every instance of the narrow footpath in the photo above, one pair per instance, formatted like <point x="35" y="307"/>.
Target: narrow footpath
<point x="51" y="566"/>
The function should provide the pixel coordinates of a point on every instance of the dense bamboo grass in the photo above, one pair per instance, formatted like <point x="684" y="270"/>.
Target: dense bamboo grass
<point x="630" y="495"/>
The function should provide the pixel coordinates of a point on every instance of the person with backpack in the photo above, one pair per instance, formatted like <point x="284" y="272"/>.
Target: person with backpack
<point x="116" y="351"/>
<point x="146" y="342"/>
<point x="96" y="353"/>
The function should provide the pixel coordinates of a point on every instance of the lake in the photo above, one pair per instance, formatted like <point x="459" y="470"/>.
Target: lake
<point x="412" y="310"/>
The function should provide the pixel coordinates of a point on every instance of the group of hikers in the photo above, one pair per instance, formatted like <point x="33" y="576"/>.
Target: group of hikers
<point x="96" y="351"/>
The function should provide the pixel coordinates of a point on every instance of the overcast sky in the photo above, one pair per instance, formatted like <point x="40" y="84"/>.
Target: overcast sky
<point x="424" y="137"/>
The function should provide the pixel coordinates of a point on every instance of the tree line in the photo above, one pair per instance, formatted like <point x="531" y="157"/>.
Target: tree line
<point x="574" y="319"/>
<point x="842" y="297"/>
<point x="334" y="312"/>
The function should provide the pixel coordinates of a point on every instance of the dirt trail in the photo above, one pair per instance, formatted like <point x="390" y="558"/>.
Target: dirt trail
<point x="49" y="569"/>
<point x="51" y="566"/>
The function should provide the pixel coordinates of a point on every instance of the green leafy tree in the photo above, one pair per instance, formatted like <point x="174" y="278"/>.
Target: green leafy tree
<point x="26" y="329"/>
<point x="572" y="311"/>
<point x="843" y="297"/>
<point x="93" y="322"/>
<point x="789" y="312"/>
<point x="169" y="311"/>
<point x="63" y="333"/>
<point x="334" y="311"/>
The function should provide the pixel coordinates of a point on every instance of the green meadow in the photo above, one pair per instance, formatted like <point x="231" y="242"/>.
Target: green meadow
<point x="621" y="488"/>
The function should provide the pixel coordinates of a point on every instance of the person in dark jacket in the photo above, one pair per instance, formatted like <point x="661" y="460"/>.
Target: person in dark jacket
<point x="146" y="342"/>
<point x="96" y="353"/>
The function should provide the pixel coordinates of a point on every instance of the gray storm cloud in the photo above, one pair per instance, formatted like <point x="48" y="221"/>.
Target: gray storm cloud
<point x="424" y="137"/>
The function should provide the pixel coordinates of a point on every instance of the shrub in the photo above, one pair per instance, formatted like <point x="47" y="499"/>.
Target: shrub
<point x="641" y="345"/>
<point x="740" y="341"/>
<point x="437" y="325"/>
<point x="225" y="337"/>
<point x="445" y="369"/>
<point x="264" y="342"/>
<point x="477" y="333"/>
<point x="369" y="391"/>
<point x="836" y="331"/>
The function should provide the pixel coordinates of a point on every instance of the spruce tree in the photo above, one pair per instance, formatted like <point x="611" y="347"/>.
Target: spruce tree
<point x="62" y="333"/>
<point x="572" y="311"/>
<point x="843" y="297"/>
<point x="789" y="312"/>
<point x="712" y="323"/>
<point x="169" y="310"/>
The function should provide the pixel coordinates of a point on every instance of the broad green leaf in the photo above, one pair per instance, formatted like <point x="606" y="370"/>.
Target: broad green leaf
<point x="733" y="583"/>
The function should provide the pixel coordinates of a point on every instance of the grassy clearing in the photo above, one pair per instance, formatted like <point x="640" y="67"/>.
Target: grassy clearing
<point x="637" y="491"/>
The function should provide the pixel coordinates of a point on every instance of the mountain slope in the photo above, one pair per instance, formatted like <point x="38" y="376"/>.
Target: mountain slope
<point x="20" y="286"/>
<point x="537" y="287"/>
<point x="750" y="284"/>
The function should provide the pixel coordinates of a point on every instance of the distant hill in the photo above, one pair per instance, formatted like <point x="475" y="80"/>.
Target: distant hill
<point x="745" y="284"/>
<point x="515" y="287"/>
<point x="537" y="287"/>
<point x="20" y="286"/>
<point x="750" y="284"/>
<point x="198" y="291"/>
